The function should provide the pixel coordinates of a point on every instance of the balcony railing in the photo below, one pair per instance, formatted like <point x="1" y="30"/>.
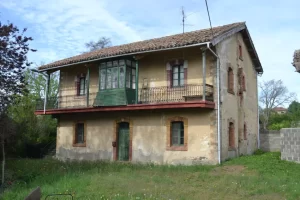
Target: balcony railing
<point x="150" y="95"/>
<point x="167" y="94"/>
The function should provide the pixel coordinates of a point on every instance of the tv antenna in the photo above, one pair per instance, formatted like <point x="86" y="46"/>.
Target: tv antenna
<point x="183" y="19"/>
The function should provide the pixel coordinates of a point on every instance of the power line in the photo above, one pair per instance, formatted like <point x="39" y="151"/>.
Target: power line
<point x="212" y="33"/>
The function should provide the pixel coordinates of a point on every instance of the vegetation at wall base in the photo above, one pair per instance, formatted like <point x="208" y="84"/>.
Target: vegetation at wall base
<point x="261" y="176"/>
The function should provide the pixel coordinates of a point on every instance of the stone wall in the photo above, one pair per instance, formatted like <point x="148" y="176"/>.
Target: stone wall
<point x="290" y="144"/>
<point x="270" y="140"/>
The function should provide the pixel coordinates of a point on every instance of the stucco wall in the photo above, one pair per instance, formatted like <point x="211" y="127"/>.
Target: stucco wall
<point x="231" y="107"/>
<point x="148" y="140"/>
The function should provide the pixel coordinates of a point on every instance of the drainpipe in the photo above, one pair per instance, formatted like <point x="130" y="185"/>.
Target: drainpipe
<point x="46" y="92"/>
<point x="88" y="87"/>
<point x="258" y="134"/>
<point x="204" y="73"/>
<point x="218" y="102"/>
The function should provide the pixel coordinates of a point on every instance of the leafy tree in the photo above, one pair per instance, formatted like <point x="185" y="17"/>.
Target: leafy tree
<point x="100" y="44"/>
<point x="294" y="108"/>
<point x="36" y="84"/>
<point x="273" y="94"/>
<point x="13" y="60"/>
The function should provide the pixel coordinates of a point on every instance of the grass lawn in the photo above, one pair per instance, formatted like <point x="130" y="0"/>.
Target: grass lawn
<point x="250" y="177"/>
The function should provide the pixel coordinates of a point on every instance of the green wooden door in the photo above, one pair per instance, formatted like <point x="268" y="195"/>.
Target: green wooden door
<point x="123" y="141"/>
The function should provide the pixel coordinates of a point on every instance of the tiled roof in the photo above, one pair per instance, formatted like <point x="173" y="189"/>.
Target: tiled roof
<point x="279" y="109"/>
<point x="296" y="60"/>
<point x="178" y="40"/>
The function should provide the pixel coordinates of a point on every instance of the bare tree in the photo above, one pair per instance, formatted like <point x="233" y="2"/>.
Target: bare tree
<point x="100" y="44"/>
<point x="273" y="94"/>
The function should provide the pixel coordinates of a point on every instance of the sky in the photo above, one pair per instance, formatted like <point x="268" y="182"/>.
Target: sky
<point x="60" y="28"/>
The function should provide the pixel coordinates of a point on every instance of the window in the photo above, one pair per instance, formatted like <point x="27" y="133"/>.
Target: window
<point x="230" y="83"/>
<point x="117" y="74"/>
<point x="245" y="131"/>
<point x="177" y="133"/>
<point x="178" y="76"/>
<point x="80" y="85"/>
<point x="231" y="135"/>
<point x="240" y="52"/>
<point x="79" y="135"/>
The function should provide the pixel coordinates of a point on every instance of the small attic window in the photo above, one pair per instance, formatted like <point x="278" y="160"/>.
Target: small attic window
<point x="240" y="52"/>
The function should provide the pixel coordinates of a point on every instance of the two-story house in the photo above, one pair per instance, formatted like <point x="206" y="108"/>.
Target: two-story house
<point x="181" y="99"/>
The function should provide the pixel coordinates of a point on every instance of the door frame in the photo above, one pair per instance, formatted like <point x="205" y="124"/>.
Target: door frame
<point x="115" y="137"/>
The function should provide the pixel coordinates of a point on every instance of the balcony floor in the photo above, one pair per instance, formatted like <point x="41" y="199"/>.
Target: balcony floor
<point x="176" y="105"/>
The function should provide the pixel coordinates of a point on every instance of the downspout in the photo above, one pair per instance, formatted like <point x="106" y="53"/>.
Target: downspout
<point x="204" y="73"/>
<point x="46" y="92"/>
<point x="258" y="128"/>
<point x="218" y="102"/>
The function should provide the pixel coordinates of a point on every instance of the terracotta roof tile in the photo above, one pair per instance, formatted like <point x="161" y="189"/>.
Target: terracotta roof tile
<point x="177" y="40"/>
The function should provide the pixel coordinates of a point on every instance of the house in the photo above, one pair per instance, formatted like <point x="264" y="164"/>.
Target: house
<point x="280" y="110"/>
<point x="296" y="60"/>
<point x="182" y="99"/>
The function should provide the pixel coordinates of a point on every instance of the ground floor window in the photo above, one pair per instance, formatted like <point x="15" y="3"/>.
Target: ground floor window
<point x="231" y="135"/>
<point x="177" y="134"/>
<point x="79" y="134"/>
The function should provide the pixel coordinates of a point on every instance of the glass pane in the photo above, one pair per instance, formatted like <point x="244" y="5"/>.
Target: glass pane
<point x="181" y="69"/>
<point x="109" y="64"/>
<point x="122" y="77"/>
<point x="82" y="86"/>
<point x="181" y="76"/>
<point x="175" y="69"/>
<point x="182" y="141"/>
<point x="174" y="140"/>
<point x="121" y="62"/>
<point x="128" y="78"/>
<point x="80" y="133"/>
<point x="128" y="63"/>
<point x="103" y="65"/>
<point x="102" y="78"/>
<point x="133" y="64"/>
<point x="115" y="63"/>
<point x="175" y="83"/>
<point x="108" y="79"/>
<point x="115" y="77"/>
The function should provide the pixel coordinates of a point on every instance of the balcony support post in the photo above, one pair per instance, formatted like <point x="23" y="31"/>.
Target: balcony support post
<point x="46" y="91"/>
<point x="88" y="86"/>
<point x="136" y="82"/>
<point x="204" y="73"/>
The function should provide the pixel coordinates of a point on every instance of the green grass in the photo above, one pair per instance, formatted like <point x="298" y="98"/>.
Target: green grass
<point x="262" y="176"/>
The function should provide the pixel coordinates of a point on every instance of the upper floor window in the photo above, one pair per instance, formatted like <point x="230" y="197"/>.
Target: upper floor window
<point x="81" y="85"/>
<point x="230" y="84"/>
<point x="178" y="76"/>
<point x="243" y="83"/>
<point x="240" y="52"/>
<point x="117" y="74"/>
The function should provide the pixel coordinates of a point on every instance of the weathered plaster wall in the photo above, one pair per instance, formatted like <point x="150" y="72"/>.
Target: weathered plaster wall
<point x="232" y="107"/>
<point x="148" y="140"/>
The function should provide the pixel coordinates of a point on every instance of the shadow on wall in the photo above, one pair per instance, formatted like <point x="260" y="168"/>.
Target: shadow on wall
<point x="270" y="140"/>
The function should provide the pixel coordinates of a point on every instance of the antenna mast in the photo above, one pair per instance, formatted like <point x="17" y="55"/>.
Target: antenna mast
<point x="183" y="18"/>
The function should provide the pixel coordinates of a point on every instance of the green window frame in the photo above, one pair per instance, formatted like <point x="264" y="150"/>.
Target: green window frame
<point x="178" y="76"/>
<point x="177" y="133"/>
<point x="117" y="74"/>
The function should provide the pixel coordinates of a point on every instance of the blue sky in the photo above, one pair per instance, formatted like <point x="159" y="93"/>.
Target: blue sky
<point x="61" y="27"/>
